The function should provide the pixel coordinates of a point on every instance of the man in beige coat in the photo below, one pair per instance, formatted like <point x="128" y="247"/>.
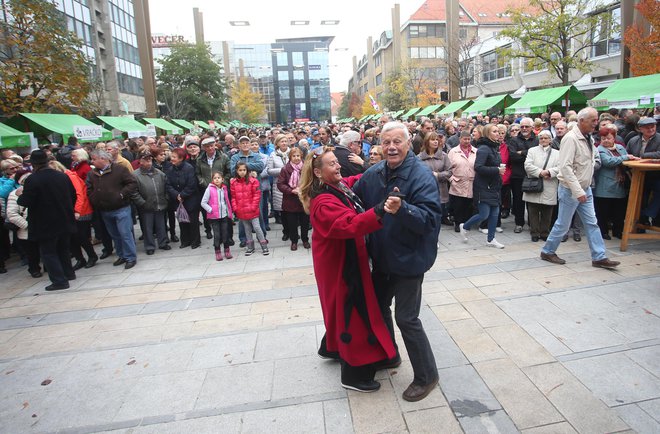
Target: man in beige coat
<point x="576" y="168"/>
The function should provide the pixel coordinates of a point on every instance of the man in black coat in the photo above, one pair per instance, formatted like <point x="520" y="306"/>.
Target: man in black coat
<point x="518" y="147"/>
<point x="50" y="197"/>
<point x="349" y="154"/>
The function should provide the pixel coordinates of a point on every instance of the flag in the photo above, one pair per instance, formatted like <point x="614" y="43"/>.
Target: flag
<point x="374" y="104"/>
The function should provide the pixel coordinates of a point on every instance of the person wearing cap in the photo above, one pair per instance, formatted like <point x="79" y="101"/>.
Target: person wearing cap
<point x="50" y="197"/>
<point x="265" y="147"/>
<point x="209" y="161"/>
<point x="151" y="200"/>
<point x="245" y="154"/>
<point x="647" y="145"/>
<point x="315" y="140"/>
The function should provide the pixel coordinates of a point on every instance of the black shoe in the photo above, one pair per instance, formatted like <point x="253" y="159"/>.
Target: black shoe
<point x="209" y="236"/>
<point x="119" y="262"/>
<point x="36" y="274"/>
<point x="285" y="237"/>
<point x="577" y="237"/>
<point x="564" y="238"/>
<point x="457" y="228"/>
<point x="328" y="355"/>
<point x="3" y="270"/>
<point x="174" y="238"/>
<point x="79" y="264"/>
<point x="129" y="265"/>
<point x="388" y="364"/>
<point x="505" y="214"/>
<point x="150" y="252"/>
<point x="71" y="277"/>
<point x="195" y="246"/>
<point x="231" y="243"/>
<point x="535" y="239"/>
<point x="91" y="262"/>
<point x="166" y="247"/>
<point x="607" y="237"/>
<point x="141" y="238"/>
<point x="105" y="255"/>
<point x="183" y="246"/>
<point x="242" y="244"/>
<point x="447" y="222"/>
<point x="365" y="386"/>
<point x="54" y="287"/>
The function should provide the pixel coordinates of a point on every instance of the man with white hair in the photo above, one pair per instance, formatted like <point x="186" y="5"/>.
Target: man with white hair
<point x="112" y="147"/>
<point x="518" y="147"/>
<point x="349" y="154"/>
<point x="577" y="160"/>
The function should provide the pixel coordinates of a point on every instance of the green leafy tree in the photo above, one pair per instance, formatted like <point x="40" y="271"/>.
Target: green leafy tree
<point x="247" y="105"/>
<point x="397" y="95"/>
<point x="555" y="34"/>
<point x="41" y="66"/>
<point x="191" y="84"/>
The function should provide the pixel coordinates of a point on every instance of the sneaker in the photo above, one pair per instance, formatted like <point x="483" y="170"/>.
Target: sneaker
<point x="464" y="233"/>
<point x="484" y="231"/>
<point x="264" y="249"/>
<point x="249" y="251"/>
<point x="517" y="230"/>
<point x="365" y="386"/>
<point x="499" y="230"/>
<point x="495" y="244"/>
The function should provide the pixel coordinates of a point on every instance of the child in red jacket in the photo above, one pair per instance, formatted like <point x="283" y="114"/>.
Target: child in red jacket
<point x="245" y="198"/>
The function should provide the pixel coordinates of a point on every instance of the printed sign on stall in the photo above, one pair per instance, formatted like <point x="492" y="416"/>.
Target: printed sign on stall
<point x="87" y="132"/>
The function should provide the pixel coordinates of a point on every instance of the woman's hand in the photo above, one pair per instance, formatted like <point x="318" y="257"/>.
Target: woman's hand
<point x="19" y="191"/>
<point x="353" y="158"/>
<point x="633" y="157"/>
<point x="179" y="198"/>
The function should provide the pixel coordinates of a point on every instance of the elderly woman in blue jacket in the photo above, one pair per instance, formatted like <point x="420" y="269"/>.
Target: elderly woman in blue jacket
<point x="610" y="194"/>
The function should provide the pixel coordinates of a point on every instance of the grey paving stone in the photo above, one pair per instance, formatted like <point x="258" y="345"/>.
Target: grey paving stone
<point x="214" y="301"/>
<point x="615" y="379"/>
<point x="266" y="294"/>
<point x="119" y="311"/>
<point x="466" y="392"/>
<point x="233" y="385"/>
<point x="580" y="302"/>
<point x="437" y="275"/>
<point x="652" y="408"/>
<point x="286" y="342"/>
<point x="162" y="394"/>
<point x="304" y="291"/>
<point x="27" y="375"/>
<point x="65" y="317"/>
<point x="488" y="423"/>
<point x="638" y="419"/>
<point x="522" y="264"/>
<point x="337" y="414"/>
<point x="304" y="419"/>
<point x="583" y="333"/>
<point x="229" y="423"/>
<point x="305" y="376"/>
<point x="445" y="350"/>
<point x="549" y="341"/>
<point x="429" y="320"/>
<point x="530" y="309"/>
<point x="20" y="322"/>
<point x="476" y="270"/>
<point x="27" y="411"/>
<point x="555" y="428"/>
<point x="635" y="323"/>
<point x="165" y="306"/>
<point x="223" y="351"/>
<point x="433" y="420"/>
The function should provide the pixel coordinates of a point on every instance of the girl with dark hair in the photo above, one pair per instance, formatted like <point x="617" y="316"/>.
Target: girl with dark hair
<point x="245" y="199"/>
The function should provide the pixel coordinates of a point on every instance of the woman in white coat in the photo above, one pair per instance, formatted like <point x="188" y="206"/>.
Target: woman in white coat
<point x="541" y="205"/>
<point x="276" y="161"/>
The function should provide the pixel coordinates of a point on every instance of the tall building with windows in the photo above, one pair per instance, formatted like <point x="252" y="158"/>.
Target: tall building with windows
<point x="113" y="33"/>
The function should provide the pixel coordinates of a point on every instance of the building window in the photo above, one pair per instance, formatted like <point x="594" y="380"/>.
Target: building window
<point x="466" y="71"/>
<point x="605" y="36"/>
<point x="427" y="31"/>
<point x="377" y="60"/>
<point x="462" y="33"/>
<point x="379" y="79"/>
<point x="494" y="67"/>
<point x="130" y="85"/>
<point x="427" y="52"/>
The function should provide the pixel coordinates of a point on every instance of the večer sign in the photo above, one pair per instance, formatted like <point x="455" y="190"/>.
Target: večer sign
<point x="166" y="41"/>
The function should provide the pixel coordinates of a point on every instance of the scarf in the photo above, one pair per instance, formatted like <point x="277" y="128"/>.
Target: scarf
<point x="620" y="173"/>
<point x="284" y="155"/>
<point x="295" y="175"/>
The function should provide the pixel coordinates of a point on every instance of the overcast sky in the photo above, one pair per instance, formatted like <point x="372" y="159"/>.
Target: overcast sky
<point x="270" y="20"/>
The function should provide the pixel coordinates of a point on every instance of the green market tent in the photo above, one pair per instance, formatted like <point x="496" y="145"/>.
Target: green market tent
<point x="483" y="105"/>
<point x="397" y="114"/>
<point x="126" y="125"/>
<point x="410" y="112"/>
<point x="12" y="138"/>
<point x="203" y="125"/>
<point x="429" y="109"/>
<point x="455" y="106"/>
<point x="540" y="101"/>
<point x="44" y="124"/>
<point x="635" y="92"/>
<point x="183" y="124"/>
<point x="164" y="125"/>
<point x="363" y="118"/>
<point x="376" y="116"/>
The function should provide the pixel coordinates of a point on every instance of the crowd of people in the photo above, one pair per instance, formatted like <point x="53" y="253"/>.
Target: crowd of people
<point x="396" y="182"/>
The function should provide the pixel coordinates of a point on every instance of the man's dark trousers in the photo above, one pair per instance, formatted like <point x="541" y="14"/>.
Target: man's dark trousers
<point x="56" y="258"/>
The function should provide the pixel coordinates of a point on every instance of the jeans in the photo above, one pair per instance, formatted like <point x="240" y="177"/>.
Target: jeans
<point x="486" y="211"/>
<point x="220" y="228"/>
<point x="119" y="224"/>
<point x="568" y="205"/>
<point x="408" y="294"/>
<point x="154" y="223"/>
<point x="265" y="199"/>
<point x="56" y="258"/>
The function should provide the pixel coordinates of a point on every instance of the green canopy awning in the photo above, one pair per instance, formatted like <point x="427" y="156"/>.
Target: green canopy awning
<point x="203" y="125"/>
<point x="455" y="106"/>
<point x="12" y="138"/>
<point x="126" y="125"/>
<point x="44" y="124"/>
<point x="429" y="109"/>
<point x="164" y="125"/>
<point x="635" y="92"/>
<point x="410" y="112"/>
<point x="540" y="101"/>
<point x="363" y="118"/>
<point x="183" y="124"/>
<point x="376" y="116"/>
<point x="397" y="114"/>
<point x="483" y="105"/>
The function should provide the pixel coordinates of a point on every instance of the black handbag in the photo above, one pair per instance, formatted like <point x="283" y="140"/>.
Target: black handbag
<point x="535" y="184"/>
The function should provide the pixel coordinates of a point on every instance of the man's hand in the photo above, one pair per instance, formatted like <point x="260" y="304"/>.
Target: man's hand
<point x="19" y="191"/>
<point x="582" y="199"/>
<point x="353" y="158"/>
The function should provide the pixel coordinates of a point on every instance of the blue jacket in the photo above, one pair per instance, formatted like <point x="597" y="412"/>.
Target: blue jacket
<point x="407" y="243"/>
<point x="253" y="161"/>
<point x="606" y="182"/>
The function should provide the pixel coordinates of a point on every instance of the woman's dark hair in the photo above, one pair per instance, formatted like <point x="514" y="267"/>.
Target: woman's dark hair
<point x="180" y="152"/>
<point x="426" y="144"/>
<point x="247" y="173"/>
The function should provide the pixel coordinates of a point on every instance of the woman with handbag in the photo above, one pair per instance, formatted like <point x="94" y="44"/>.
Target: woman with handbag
<point x="540" y="186"/>
<point x="183" y="190"/>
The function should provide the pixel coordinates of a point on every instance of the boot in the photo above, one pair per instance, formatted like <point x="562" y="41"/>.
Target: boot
<point x="79" y="264"/>
<point x="264" y="248"/>
<point x="228" y="253"/>
<point x="218" y="254"/>
<point x="250" y="248"/>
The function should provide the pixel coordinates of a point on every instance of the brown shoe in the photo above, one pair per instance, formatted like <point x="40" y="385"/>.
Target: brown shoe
<point x="552" y="258"/>
<point x="605" y="263"/>
<point x="294" y="247"/>
<point x="415" y="392"/>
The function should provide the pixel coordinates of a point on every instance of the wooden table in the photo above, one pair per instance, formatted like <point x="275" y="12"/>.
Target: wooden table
<point x="631" y="225"/>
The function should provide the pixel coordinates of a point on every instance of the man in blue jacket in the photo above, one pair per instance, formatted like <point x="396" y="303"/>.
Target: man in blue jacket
<point x="405" y="248"/>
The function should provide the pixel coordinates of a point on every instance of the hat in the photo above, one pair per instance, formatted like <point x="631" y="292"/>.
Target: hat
<point x="244" y="138"/>
<point x="38" y="157"/>
<point x="645" y="121"/>
<point x="315" y="133"/>
<point x="145" y="154"/>
<point x="208" y="141"/>
<point x="262" y="135"/>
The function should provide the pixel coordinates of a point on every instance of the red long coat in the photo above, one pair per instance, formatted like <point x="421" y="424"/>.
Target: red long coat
<point x="245" y="198"/>
<point x="334" y="223"/>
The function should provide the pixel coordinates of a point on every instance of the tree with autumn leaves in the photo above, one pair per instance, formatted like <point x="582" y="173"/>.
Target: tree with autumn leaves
<point x="645" y="48"/>
<point x="42" y="67"/>
<point x="247" y="105"/>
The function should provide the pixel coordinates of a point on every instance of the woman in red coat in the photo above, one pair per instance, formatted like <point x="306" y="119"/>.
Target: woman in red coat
<point x="80" y="163"/>
<point x="355" y="330"/>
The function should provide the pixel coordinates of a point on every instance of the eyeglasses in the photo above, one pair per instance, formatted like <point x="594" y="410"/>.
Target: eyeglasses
<point x="525" y="126"/>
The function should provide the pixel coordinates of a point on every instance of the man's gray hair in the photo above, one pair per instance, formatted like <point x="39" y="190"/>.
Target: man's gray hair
<point x="349" y="137"/>
<point x="394" y="125"/>
<point x="544" y="133"/>
<point x="560" y="122"/>
<point x="527" y="120"/>
<point x="112" y="144"/>
<point x="582" y="114"/>
<point x="103" y="155"/>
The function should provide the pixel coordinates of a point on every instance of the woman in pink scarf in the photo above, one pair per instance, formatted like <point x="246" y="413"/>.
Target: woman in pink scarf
<point x="292" y="209"/>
